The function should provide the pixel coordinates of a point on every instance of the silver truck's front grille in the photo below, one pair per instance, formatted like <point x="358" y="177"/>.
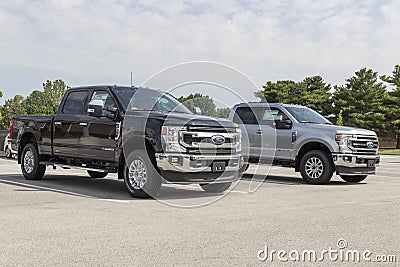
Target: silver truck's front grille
<point x="364" y="144"/>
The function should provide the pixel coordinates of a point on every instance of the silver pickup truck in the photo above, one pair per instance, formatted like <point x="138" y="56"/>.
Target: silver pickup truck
<point x="296" y="136"/>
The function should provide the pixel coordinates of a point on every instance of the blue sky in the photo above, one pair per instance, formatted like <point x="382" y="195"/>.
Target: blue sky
<point x="86" y="42"/>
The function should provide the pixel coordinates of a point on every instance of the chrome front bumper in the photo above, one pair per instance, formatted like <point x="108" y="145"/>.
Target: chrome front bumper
<point x="187" y="163"/>
<point x="354" y="164"/>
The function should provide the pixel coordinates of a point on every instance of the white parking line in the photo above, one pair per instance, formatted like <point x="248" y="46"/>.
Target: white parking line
<point x="196" y="187"/>
<point x="61" y="191"/>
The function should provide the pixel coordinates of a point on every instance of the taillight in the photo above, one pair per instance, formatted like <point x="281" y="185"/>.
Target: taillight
<point x="11" y="128"/>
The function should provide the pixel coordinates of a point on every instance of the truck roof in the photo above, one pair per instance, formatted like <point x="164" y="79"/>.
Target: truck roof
<point x="110" y="87"/>
<point x="263" y="104"/>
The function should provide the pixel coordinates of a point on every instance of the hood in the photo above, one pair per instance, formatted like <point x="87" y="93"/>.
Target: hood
<point x="339" y="129"/>
<point x="181" y="119"/>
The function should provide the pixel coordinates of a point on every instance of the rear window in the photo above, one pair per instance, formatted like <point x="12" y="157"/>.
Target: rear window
<point x="245" y="115"/>
<point x="75" y="102"/>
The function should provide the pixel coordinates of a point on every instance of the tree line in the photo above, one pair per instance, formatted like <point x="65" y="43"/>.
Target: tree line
<point x="38" y="103"/>
<point x="366" y="100"/>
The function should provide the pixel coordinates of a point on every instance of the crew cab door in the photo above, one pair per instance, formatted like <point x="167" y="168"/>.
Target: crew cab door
<point x="246" y="118"/>
<point x="98" y="140"/>
<point x="66" y="125"/>
<point x="274" y="119"/>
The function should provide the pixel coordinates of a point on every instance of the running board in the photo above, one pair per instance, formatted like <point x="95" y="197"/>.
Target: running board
<point x="65" y="166"/>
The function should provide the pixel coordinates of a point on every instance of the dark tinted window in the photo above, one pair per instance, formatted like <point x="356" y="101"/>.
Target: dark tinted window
<point x="125" y="95"/>
<point x="75" y="103"/>
<point x="245" y="115"/>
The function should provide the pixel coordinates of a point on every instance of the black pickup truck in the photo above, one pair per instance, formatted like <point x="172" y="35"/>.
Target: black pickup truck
<point x="144" y="135"/>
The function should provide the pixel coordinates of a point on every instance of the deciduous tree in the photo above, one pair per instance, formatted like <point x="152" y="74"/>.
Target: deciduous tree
<point x="205" y="103"/>
<point x="39" y="103"/>
<point x="12" y="107"/>
<point x="312" y="92"/>
<point x="55" y="90"/>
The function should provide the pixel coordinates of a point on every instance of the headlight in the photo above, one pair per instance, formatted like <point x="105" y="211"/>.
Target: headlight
<point x="239" y="140"/>
<point x="170" y="137"/>
<point x="343" y="141"/>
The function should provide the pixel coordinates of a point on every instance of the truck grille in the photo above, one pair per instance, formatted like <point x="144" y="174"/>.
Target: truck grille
<point x="211" y="129"/>
<point x="202" y="140"/>
<point x="364" y="144"/>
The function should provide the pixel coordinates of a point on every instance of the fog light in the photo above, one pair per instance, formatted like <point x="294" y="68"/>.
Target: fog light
<point x="347" y="159"/>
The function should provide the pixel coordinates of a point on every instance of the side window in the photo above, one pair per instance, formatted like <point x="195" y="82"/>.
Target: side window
<point x="269" y="115"/>
<point x="75" y="103"/>
<point x="245" y="115"/>
<point x="275" y="118"/>
<point x="106" y="98"/>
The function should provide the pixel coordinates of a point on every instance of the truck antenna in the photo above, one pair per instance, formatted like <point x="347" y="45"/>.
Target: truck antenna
<point x="131" y="79"/>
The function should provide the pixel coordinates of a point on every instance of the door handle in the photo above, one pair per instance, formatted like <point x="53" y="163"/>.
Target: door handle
<point x="83" y="124"/>
<point x="259" y="132"/>
<point x="58" y="123"/>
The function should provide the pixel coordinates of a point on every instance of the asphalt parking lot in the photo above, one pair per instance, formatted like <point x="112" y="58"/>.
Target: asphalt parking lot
<point x="68" y="218"/>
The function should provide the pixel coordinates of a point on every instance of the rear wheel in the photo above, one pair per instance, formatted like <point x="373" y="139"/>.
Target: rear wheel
<point x="8" y="152"/>
<point x="94" y="174"/>
<point x="353" y="178"/>
<point x="141" y="178"/>
<point x="31" y="169"/>
<point x="316" y="167"/>
<point x="215" y="188"/>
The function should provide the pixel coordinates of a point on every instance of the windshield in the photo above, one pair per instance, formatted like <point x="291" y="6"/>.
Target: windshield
<point x="147" y="99"/>
<point x="306" y="115"/>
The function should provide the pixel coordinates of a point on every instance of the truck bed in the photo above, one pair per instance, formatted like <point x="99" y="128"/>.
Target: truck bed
<point x="41" y="127"/>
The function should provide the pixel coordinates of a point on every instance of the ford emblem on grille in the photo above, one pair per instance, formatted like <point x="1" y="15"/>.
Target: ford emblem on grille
<point x="370" y="145"/>
<point x="218" y="139"/>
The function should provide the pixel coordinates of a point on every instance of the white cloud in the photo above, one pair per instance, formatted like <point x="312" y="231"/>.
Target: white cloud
<point x="98" y="41"/>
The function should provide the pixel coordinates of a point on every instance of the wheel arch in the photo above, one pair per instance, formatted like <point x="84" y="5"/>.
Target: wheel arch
<point x="132" y="145"/>
<point x="314" y="145"/>
<point x="26" y="138"/>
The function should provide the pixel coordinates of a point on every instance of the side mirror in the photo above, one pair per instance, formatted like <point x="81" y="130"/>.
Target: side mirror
<point x="283" y="123"/>
<point x="287" y="124"/>
<point x="95" y="108"/>
<point x="197" y="110"/>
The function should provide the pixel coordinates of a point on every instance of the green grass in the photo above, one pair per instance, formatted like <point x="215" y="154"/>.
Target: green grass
<point x="386" y="151"/>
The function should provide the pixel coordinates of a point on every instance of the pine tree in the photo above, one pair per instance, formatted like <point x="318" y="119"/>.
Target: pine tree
<point x="361" y="101"/>
<point x="393" y="101"/>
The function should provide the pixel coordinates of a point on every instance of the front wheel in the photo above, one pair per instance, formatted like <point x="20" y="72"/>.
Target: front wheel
<point x="94" y="174"/>
<point x="243" y="168"/>
<point x="31" y="169"/>
<point x="316" y="167"/>
<point x="215" y="188"/>
<point x="8" y="153"/>
<point x="353" y="178"/>
<point x="141" y="178"/>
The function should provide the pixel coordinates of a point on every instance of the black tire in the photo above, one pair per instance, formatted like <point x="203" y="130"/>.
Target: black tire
<point x="94" y="174"/>
<point x="354" y="178"/>
<point x="8" y="153"/>
<point x="243" y="168"/>
<point x="31" y="169"/>
<point x="316" y="167"/>
<point x="138" y="162"/>
<point x="215" y="188"/>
